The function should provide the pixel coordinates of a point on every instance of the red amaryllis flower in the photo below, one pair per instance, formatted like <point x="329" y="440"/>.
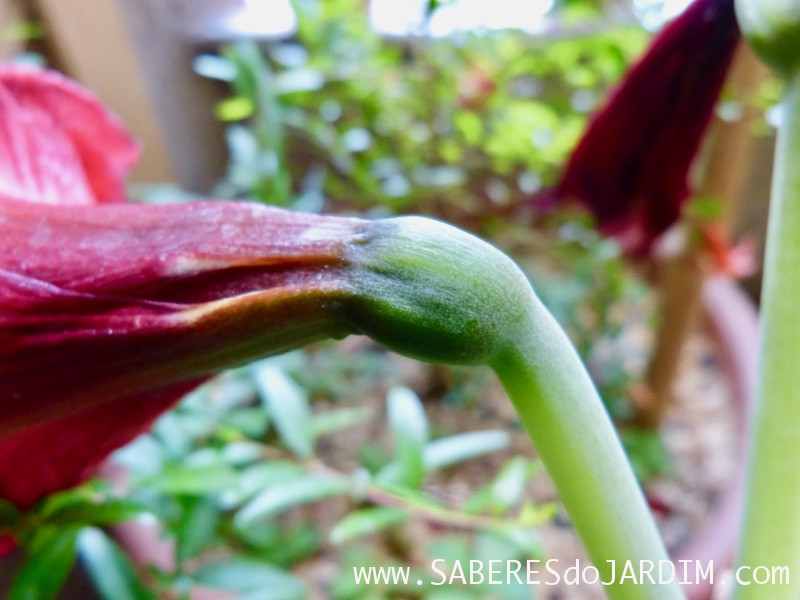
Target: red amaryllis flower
<point x="631" y="167"/>
<point x="111" y="312"/>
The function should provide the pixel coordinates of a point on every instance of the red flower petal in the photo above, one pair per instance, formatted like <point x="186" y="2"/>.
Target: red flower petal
<point x="108" y="314"/>
<point x="58" y="144"/>
<point x="632" y="165"/>
<point x="59" y="454"/>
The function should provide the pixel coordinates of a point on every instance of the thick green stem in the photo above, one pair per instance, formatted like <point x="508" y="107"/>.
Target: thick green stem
<point x="561" y="410"/>
<point x="438" y="294"/>
<point x="771" y="536"/>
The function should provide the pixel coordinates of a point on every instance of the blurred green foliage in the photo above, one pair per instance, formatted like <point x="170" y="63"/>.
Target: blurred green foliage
<point x="229" y="483"/>
<point x="462" y="128"/>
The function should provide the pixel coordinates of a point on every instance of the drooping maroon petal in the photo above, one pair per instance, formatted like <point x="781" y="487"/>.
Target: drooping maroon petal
<point x="108" y="314"/>
<point x="631" y="167"/>
<point x="58" y="143"/>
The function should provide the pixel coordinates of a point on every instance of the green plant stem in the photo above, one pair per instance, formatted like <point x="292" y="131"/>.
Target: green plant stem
<point x="771" y="535"/>
<point x="426" y="510"/>
<point x="559" y="406"/>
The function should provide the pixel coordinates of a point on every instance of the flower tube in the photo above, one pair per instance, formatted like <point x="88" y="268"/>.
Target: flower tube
<point x="95" y="315"/>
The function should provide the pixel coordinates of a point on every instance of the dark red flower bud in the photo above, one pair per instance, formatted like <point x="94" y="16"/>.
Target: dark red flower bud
<point x="631" y="167"/>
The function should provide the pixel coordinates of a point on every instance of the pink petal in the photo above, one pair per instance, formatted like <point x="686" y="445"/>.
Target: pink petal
<point x="58" y="144"/>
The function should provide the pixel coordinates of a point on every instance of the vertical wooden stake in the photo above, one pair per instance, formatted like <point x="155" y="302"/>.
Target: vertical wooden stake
<point x="682" y="278"/>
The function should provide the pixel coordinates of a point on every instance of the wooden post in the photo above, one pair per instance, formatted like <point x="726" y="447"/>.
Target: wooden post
<point x="11" y="15"/>
<point x="734" y="143"/>
<point x="130" y="53"/>
<point x="96" y="48"/>
<point x="724" y="177"/>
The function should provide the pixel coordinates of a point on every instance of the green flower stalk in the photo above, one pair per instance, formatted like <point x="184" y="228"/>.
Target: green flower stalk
<point x="771" y="535"/>
<point x="772" y="27"/>
<point x="435" y="293"/>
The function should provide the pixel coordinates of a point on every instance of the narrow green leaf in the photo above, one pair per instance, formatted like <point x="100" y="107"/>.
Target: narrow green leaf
<point x="235" y="108"/>
<point x="22" y="31"/>
<point x="535" y="514"/>
<point x="299" y="80"/>
<point x="197" y="526"/>
<point x="242" y="453"/>
<point x="325" y="423"/>
<point x="195" y="481"/>
<point x="265" y="581"/>
<point x="257" y="478"/>
<point x="410" y="432"/>
<point x="704" y="208"/>
<point x="288" y="406"/>
<point x="103" y="512"/>
<point x="411" y="496"/>
<point x="251" y="421"/>
<point x="51" y="558"/>
<point x="214" y="67"/>
<point x="110" y="570"/>
<point x="508" y="487"/>
<point x="301" y="490"/>
<point x="365" y="522"/>
<point x="451" y="450"/>
<point x="461" y="447"/>
<point x="63" y="500"/>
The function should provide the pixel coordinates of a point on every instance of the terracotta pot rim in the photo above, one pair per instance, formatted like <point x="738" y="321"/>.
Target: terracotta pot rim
<point x="733" y="320"/>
